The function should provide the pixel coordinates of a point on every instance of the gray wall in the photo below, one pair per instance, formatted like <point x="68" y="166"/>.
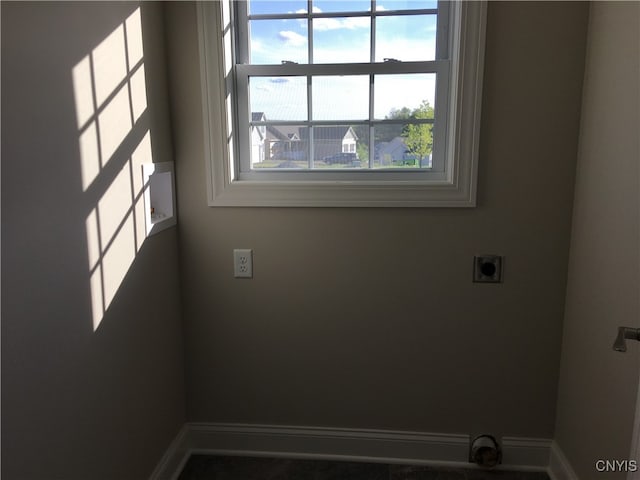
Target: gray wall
<point x="368" y="317"/>
<point x="78" y="404"/>
<point x="597" y="395"/>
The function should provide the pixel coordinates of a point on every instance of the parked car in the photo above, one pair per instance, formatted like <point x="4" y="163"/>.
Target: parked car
<point x="343" y="157"/>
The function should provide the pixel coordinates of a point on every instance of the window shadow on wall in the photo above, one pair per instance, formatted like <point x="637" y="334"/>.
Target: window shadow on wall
<point x="114" y="141"/>
<point x="86" y="349"/>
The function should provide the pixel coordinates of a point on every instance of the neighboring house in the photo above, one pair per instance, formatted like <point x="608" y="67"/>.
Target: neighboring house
<point x="258" y="136"/>
<point x="287" y="142"/>
<point x="391" y="152"/>
<point x="396" y="151"/>
<point x="328" y="141"/>
<point x="284" y="143"/>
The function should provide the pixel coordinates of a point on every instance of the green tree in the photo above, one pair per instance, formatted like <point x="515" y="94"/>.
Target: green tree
<point x="362" y="145"/>
<point x="419" y="136"/>
<point x="362" y="150"/>
<point x="386" y="133"/>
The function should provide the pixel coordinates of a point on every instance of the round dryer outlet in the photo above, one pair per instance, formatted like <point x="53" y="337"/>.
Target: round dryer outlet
<point x="485" y="451"/>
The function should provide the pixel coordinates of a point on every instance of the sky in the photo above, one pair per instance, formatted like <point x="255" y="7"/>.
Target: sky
<point x="339" y="40"/>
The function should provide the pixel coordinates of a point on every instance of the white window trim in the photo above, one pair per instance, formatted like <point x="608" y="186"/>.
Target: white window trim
<point x="457" y="188"/>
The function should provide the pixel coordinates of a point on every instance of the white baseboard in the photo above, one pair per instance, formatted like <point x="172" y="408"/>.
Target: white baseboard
<point x="559" y="466"/>
<point x="175" y="458"/>
<point x="328" y="443"/>
<point x="379" y="446"/>
<point x="525" y="453"/>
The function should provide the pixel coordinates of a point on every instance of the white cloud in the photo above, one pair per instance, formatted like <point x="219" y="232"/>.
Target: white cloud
<point x="267" y="51"/>
<point x="341" y="97"/>
<point x="405" y="49"/>
<point x="357" y="50"/>
<point x="357" y="22"/>
<point x="324" y="24"/>
<point x="292" y="38"/>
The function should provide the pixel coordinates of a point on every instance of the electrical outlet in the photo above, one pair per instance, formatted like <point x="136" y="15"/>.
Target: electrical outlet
<point x="242" y="263"/>
<point x="487" y="268"/>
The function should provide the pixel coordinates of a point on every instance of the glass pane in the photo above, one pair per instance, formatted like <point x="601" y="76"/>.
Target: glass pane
<point x="403" y="96"/>
<point x="270" y="6"/>
<point x="340" y="97"/>
<point x="405" y="4"/>
<point x="279" y="146"/>
<point x="407" y="38"/>
<point x="341" y="40"/>
<point x="278" y="98"/>
<point x="405" y="145"/>
<point x="272" y="41"/>
<point x="341" y="146"/>
<point x="341" y="6"/>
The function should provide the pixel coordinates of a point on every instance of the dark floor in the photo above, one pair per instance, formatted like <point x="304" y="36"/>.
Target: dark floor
<point x="206" y="467"/>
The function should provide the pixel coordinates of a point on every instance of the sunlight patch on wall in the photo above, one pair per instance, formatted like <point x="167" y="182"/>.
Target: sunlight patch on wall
<point x="109" y="64"/>
<point x="141" y="155"/>
<point x="138" y="93"/>
<point x="114" y="141"/>
<point x="114" y="123"/>
<point x="110" y="95"/>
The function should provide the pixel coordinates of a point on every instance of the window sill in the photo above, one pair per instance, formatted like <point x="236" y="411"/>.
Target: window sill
<point x="342" y="194"/>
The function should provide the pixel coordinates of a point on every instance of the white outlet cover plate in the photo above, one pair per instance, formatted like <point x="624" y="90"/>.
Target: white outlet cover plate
<point x="243" y="263"/>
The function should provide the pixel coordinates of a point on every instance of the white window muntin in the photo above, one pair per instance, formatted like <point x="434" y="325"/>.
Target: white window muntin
<point x="244" y="71"/>
<point x="437" y="171"/>
<point x="242" y="25"/>
<point x="466" y="39"/>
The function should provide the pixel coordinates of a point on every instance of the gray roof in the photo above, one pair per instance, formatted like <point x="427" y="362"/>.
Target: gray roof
<point x="327" y="133"/>
<point x="294" y="132"/>
<point x="283" y="132"/>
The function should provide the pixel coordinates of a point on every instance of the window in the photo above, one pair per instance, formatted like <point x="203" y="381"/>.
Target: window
<point x="342" y="103"/>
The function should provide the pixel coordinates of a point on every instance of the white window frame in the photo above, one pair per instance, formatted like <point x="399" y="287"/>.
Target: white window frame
<point x="452" y="186"/>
